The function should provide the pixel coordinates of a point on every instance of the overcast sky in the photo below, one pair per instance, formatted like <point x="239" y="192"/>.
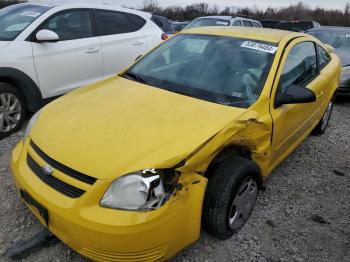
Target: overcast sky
<point x="262" y="4"/>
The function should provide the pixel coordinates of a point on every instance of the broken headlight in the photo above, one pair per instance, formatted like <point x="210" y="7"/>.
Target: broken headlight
<point x="147" y="189"/>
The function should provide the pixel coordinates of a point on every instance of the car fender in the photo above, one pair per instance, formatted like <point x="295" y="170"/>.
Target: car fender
<point x="25" y="84"/>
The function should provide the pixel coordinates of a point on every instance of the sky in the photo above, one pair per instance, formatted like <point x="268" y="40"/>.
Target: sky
<point x="262" y="4"/>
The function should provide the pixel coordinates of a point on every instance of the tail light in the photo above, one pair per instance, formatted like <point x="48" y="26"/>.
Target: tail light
<point x="164" y="36"/>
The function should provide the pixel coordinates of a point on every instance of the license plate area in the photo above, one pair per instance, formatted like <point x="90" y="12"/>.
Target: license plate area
<point x="31" y="201"/>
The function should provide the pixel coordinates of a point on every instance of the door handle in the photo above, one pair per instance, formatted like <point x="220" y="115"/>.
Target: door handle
<point x="138" y="43"/>
<point x="92" y="50"/>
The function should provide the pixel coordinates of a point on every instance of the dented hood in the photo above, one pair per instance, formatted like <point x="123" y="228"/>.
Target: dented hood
<point x="118" y="126"/>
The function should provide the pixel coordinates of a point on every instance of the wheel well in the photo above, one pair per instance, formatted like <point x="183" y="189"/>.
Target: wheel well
<point x="228" y="153"/>
<point x="25" y="85"/>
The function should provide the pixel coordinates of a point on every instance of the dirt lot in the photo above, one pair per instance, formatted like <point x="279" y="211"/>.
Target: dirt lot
<point x="303" y="215"/>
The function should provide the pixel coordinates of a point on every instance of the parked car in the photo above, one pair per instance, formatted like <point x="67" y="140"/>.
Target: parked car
<point x="178" y="26"/>
<point x="270" y="23"/>
<point x="50" y="49"/>
<point x="163" y="23"/>
<point x="339" y="39"/>
<point x="298" y="26"/>
<point x="223" y="21"/>
<point x="120" y="170"/>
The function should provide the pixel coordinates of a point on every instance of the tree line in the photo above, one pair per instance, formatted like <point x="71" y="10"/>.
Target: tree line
<point x="299" y="11"/>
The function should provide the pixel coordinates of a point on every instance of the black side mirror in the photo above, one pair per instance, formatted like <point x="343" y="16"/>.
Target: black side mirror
<point x="295" y="94"/>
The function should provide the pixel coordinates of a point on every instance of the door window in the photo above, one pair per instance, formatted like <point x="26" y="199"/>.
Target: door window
<point x="112" y="23"/>
<point x="247" y="23"/>
<point x="323" y="57"/>
<point x="300" y="66"/>
<point x="70" y="25"/>
<point x="237" y="23"/>
<point x="256" y="24"/>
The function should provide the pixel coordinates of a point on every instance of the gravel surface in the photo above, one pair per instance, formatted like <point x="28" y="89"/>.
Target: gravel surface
<point x="303" y="215"/>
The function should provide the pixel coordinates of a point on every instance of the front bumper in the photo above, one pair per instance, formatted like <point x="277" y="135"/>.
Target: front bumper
<point x="105" y="234"/>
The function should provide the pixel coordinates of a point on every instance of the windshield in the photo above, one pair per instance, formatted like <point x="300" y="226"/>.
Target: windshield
<point x="296" y="26"/>
<point x="337" y="39"/>
<point x="224" y="70"/>
<point x="14" y="19"/>
<point x="208" y="22"/>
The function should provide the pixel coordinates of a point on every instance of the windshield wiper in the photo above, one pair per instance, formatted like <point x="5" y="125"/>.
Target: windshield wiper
<point x="132" y="76"/>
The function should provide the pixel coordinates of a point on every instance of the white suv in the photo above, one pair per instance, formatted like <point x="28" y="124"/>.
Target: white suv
<point x="47" y="50"/>
<point x="220" y="20"/>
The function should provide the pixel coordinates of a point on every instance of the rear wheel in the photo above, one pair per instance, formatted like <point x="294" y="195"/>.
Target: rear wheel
<point x="12" y="110"/>
<point x="321" y="127"/>
<point x="230" y="197"/>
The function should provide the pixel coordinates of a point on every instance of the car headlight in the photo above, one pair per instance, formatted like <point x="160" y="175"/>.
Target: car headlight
<point x="147" y="189"/>
<point x="31" y="123"/>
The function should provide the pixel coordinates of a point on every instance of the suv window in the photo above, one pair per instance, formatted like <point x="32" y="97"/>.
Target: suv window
<point x="70" y="25"/>
<point x="324" y="57"/>
<point x="256" y="24"/>
<point x="247" y="23"/>
<point x="300" y="66"/>
<point x="237" y="23"/>
<point x="112" y="23"/>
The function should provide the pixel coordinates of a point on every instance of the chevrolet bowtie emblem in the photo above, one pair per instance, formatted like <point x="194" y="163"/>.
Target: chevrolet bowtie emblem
<point x="47" y="170"/>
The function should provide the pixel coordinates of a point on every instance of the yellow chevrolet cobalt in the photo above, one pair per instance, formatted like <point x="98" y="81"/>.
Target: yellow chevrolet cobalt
<point x="131" y="168"/>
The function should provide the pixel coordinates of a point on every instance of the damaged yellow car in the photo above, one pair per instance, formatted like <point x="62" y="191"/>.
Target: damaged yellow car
<point x="128" y="169"/>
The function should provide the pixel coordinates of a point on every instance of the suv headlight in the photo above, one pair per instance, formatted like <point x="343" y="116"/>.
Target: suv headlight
<point x="31" y="123"/>
<point x="147" y="189"/>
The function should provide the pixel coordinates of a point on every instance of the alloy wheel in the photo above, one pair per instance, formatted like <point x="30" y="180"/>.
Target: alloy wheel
<point x="10" y="112"/>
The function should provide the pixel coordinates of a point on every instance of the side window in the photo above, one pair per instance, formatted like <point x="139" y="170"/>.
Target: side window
<point x="112" y="23"/>
<point x="237" y="23"/>
<point x="256" y="24"/>
<point x="324" y="57"/>
<point x="70" y="25"/>
<point x="300" y="66"/>
<point x="247" y="23"/>
<point x="138" y="21"/>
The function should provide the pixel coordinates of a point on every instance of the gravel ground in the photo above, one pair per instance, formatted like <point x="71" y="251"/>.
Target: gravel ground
<point x="303" y="215"/>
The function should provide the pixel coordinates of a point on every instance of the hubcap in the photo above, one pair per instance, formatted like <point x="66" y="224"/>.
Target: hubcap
<point x="243" y="203"/>
<point x="327" y="115"/>
<point x="10" y="112"/>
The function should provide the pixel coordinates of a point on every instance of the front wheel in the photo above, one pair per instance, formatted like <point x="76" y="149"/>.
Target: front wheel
<point x="321" y="127"/>
<point x="230" y="197"/>
<point x="12" y="110"/>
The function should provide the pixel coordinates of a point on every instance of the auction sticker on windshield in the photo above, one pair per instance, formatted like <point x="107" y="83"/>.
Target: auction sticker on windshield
<point x="260" y="47"/>
<point x="30" y="13"/>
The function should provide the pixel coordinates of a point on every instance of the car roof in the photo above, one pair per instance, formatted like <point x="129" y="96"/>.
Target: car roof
<point x="261" y="34"/>
<point x="329" y="28"/>
<point x="86" y="4"/>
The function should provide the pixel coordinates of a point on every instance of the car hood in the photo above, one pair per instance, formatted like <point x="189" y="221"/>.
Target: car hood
<point x="3" y="44"/>
<point x="344" y="54"/>
<point x="119" y="126"/>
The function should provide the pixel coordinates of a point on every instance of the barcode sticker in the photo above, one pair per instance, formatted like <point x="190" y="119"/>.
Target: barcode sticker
<point x="30" y="13"/>
<point x="260" y="47"/>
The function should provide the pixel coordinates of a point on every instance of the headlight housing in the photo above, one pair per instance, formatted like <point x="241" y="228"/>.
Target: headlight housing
<point x="31" y="123"/>
<point x="147" y="189"/>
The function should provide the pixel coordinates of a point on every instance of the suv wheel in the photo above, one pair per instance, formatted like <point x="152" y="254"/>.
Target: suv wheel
<point x="230" y="197"/>
<point x="12" y="110"/>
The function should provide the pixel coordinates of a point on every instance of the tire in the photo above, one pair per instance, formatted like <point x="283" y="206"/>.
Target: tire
<point x="321" y="127"/>
<point x="224" y="192"/>
<point x="12" y="110"/>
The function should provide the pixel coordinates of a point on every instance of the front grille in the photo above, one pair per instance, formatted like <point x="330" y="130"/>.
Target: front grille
<point x="54" y="182"/>
<point x="64" y="169"/>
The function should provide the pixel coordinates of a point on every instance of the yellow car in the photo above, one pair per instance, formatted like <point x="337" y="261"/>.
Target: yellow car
<point x="128" y="169"/>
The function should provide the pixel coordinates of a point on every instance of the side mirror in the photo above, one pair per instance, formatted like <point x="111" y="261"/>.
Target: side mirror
<point x="295" y="95"/>
<point x="47" y="36"/>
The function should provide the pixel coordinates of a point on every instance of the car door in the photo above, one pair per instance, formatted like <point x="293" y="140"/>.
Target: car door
<point x="121" y="39"/>
<point x="75" y="60"/>
<point x="293" y="122"/>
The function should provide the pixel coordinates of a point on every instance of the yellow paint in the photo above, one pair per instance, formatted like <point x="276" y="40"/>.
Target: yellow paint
<point x="117" y="126"/>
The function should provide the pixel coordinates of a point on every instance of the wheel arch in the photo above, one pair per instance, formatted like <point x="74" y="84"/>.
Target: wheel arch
<point x="25" y="85"/>
<point x="228" y="153"/>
